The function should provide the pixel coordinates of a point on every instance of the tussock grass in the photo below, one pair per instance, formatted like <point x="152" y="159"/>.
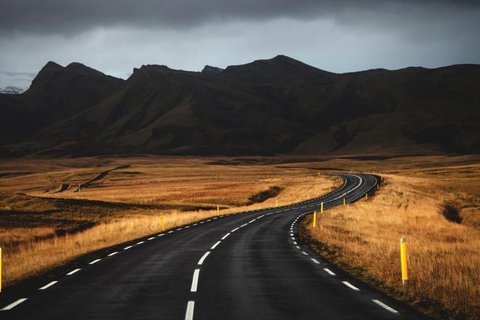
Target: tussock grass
<point x="41" y="229"/>
<point x="444" y="256"/>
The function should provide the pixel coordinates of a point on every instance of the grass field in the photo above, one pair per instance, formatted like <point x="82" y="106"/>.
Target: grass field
<point x="432" y="201"/>
<point x="45" y="221"/>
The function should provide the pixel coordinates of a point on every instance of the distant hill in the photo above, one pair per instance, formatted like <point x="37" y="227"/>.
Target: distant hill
<point x="275" y="106"/>
<point x="11" y="90"/>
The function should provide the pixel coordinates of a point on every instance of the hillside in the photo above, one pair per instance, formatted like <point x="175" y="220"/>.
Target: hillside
<point x="275" y="106"/>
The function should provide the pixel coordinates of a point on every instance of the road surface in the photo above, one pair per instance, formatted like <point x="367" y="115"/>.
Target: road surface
<point x="244" y="266"/>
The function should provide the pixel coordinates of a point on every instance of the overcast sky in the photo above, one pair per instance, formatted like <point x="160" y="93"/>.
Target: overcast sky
<point x="114" y="36"/>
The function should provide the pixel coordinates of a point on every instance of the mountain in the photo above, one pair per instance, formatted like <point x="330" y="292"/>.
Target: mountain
<point x="11" y="90"/>
<point x="273" y="106"/>
<point x="56" y="93"/>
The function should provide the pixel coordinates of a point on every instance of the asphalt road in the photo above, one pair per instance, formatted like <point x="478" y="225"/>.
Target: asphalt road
<point x="244" y="266"/>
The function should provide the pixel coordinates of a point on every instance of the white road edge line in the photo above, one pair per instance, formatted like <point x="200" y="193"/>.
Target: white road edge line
<point x="47" y="285"/>
<point x="151" y="238"/>
<point x="235" y="229"/>
<point x="351" y="286"/>
<point x="112" y="254"/>
<point x="330" y="272"/>
<point x="202" y="259"/>
<point x="94" y="261"/>
<point x="194" y="287"/>
<point x="384" y="306"/>
<point x="140" y="242"/>
<point x="126" y="248"/>
<point x="14" y="304"/>
<point x="215" y="245"/>
<point x="304" y="253"/>
<point x="190" y="308"/>
<point x="73" y="272"/>
<point x="315" y="261"/>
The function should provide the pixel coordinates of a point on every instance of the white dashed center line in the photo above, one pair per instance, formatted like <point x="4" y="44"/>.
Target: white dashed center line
<point x="112" y="254"/>
<point x="151" y="238"/>
<point x="315" y="261"/>
<point x="225" y="236"/>
<point x="94" y="261"/>
<point x="215" y="245"/>
<point x="194" y="287"/>
<point x="141" y="242"/>
<point x="235" y="229"/>
<point x="126" y="248"/>
<point x="202" y="259"/>
<point x="189" y="313"/>
<point x="304" y="253"/>
<point x="48" y="285"/>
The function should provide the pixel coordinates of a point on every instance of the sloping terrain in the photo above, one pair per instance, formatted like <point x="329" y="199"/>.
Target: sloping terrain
<point x="275" y="106"/>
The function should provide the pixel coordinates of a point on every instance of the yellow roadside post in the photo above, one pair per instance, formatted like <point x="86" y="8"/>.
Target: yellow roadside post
<point x="321" y="207"/>
<point x="403" y="260"/>
<point x="314" y="219"/>
<point x="344" y="202"/>
<point x="366" y="196"/>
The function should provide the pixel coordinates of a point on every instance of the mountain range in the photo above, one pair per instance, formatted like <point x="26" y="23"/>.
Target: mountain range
<point x="266" y="107"/>
<point x="11" y="90"/>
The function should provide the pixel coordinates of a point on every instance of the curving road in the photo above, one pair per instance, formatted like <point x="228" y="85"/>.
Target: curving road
<point x="244" y="266"/>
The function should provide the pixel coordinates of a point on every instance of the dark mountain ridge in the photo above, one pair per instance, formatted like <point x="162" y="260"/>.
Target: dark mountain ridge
<point x="265" y="107"/>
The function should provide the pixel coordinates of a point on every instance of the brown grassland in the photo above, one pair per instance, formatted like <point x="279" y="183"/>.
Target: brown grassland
<point x="415" y="199"/>
<point x="43" y="225"/>
<point x="432" y="201"/>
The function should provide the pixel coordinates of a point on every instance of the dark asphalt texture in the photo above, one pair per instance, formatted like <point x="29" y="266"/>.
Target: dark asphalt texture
<point x="256" y="272"/>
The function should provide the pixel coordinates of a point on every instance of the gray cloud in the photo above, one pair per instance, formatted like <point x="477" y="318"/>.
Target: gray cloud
<point x="114" y="36"/>
<point x="72" y="17"/>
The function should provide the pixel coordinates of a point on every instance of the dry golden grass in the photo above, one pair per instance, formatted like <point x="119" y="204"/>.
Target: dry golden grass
<point x="444" y="257"/>
<point x="41" y="228"/>
<point x="126" y="204"/>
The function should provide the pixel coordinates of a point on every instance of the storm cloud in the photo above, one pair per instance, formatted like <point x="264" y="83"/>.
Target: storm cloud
<point x="340" y="36"/>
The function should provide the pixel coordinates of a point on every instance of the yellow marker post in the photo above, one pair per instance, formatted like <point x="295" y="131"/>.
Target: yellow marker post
<point x="314" y="219"/>
<point x="403" y="260"/>
<point x="366" y="196"/>
<point x="321" y="207"/>
<point x="344" y="202"/>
